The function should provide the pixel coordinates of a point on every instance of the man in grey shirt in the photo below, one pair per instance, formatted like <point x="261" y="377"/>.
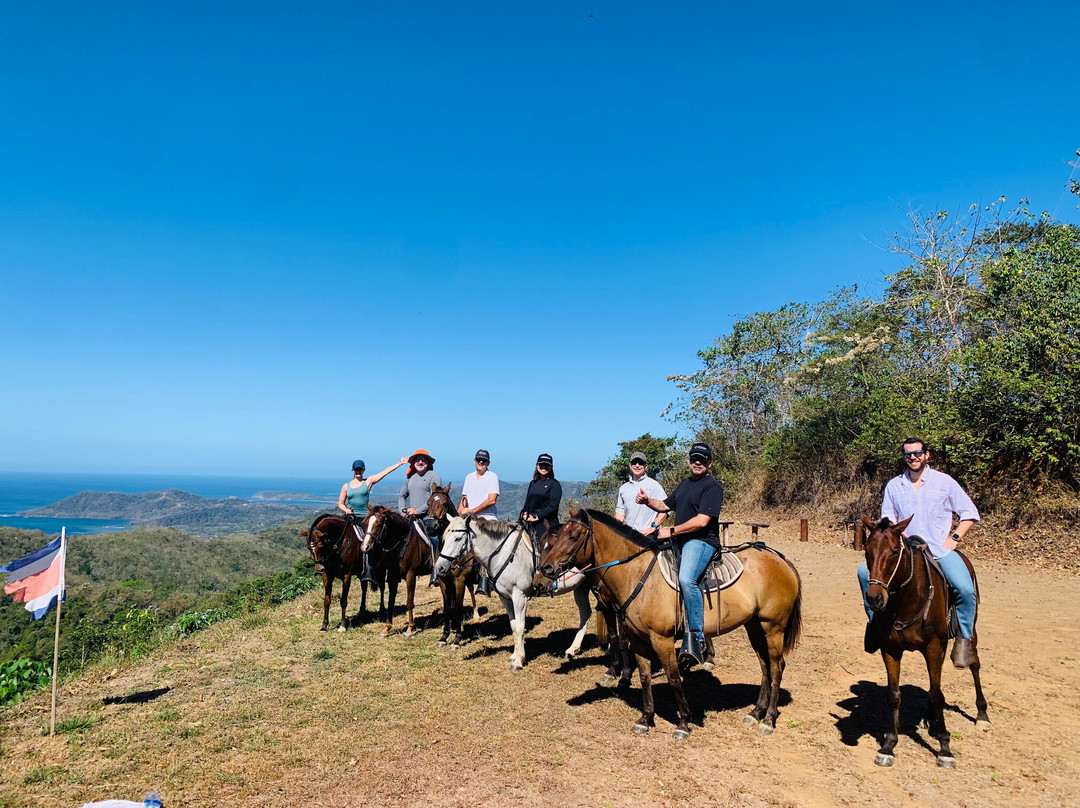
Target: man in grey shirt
<point x="414" y="494"/>
<point x="641" y="518"/>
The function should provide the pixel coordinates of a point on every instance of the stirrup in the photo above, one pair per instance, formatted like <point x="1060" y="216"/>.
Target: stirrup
<point x="484" y="587"/>
<point x="691" y="652"/>
<point x="368" y="577"/>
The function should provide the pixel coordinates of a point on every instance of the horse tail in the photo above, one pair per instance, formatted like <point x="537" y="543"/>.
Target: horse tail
<point x="793" y="630"/>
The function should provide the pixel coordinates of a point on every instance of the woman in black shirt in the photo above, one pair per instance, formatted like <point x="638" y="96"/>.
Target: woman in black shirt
<point x="542" y="499"/>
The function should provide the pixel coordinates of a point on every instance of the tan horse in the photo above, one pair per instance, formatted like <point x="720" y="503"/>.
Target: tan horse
<point x="766" y="599"/>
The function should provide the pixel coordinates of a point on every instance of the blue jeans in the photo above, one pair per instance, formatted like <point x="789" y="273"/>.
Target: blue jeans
<point x="695" y="557"/>
<point x="956" y="573"/>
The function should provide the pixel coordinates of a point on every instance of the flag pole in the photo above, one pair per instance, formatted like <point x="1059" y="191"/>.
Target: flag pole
<point x="56" y="638"/>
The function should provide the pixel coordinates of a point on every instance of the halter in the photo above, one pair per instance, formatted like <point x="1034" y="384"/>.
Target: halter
<point x="887" y="586"/>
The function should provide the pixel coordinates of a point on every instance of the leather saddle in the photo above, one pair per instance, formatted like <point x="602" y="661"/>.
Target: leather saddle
<point x="918" y="545"/>
<point x="724" y="570"/>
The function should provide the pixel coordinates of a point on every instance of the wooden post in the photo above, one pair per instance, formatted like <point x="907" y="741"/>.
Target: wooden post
<point x="860" y="533"/>
<point x="804" y="530"/>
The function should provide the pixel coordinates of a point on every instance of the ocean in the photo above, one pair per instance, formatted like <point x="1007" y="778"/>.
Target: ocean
<point x="20" y="491"/>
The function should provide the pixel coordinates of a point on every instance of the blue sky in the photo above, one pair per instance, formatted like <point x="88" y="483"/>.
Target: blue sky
<point x="272" y="238"/>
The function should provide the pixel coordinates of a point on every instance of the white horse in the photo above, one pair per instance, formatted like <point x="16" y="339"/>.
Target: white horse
<point x="504" y="550"/>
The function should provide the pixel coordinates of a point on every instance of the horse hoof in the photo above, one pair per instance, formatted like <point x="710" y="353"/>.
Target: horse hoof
<point x="569" y="656"/>
<point x="884" y="760"/>
<point x="607" y="681"/>
<point x="640" y="729"/>
<point x="323" y="628"/>
<point x="708" y="665"/>
<point x="765" y="729"/>
<point x="341" y="629"/>
<point x="680" y="734"/>
<point x="946" y="762"/>
<point x="455" y="644"/>
<point x="442" y="643"/>
<point x="749" y="721"/>
<point x="983" y="724"/>
<point x="409" y="633"/>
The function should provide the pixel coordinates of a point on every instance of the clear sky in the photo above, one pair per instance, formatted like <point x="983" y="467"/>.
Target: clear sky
<point x="275" y="237"/>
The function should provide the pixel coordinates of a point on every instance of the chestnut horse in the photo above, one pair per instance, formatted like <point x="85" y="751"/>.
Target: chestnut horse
<point x="910" y="600"/>
<point x="335" y="548"/>
<point x="454" y="583"/>
<point x="766" y="599"/>
<point x="395" y="549"/>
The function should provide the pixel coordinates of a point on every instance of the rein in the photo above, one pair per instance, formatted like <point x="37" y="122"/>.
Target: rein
<point x="887" y="586"/>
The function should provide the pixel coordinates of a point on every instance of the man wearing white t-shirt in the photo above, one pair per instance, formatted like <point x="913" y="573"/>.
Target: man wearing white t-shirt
<point x="641" y="518"/>
<point x="480" y="490"/>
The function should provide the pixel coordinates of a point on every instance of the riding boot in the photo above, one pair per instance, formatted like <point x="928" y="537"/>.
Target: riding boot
<point x="692" y="650"/>
<point x="484" y="587"/>
<point x="962" y="653"/>
<point x="369" y="576"/>
<point x="871" y="640"/>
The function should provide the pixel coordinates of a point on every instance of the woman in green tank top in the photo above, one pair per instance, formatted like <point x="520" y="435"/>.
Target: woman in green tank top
<point x="354" y="494"/>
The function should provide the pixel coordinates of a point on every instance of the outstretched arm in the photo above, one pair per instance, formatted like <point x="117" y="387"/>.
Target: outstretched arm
<point x="374" y="478"/>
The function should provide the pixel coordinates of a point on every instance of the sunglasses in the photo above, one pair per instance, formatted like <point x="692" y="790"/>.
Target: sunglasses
<point x="916" y="453"/>
<point x="698" y="460"/>
<point x="637" y="462"/>
<point x="481" y="462"/>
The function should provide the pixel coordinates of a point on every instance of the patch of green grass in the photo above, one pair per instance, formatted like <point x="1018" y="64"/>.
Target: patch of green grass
<point x="257" y="620"/>
<point x="167" y="715"/>
<point x="45" y="774"/>
<point x="78" y="723"/>
<point x="324" y="654"/>
<point x="794" y="724"/>
<point x="956" y="736"/>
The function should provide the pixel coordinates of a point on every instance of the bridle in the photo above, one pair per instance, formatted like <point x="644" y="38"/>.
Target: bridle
<point x="899" y="625"/>
<point x="466" y="547"/>
<point x="579" y="547"/>
<point x="887" y="585"/>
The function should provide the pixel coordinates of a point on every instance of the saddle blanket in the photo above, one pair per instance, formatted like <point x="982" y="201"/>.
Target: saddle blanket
<point x="720" y="574"/>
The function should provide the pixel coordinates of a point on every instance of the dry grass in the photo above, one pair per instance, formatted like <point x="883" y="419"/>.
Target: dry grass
<point x="273" y="713"/>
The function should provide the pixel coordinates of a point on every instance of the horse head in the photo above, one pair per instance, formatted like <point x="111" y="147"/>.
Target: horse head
<point x="439" y="504"/>
<point x="456" y="544"/>
<point x="885" y="550"/>
<point x="377" y="523"/>
<point x="565" y="549"/>
<point x="321" y="537"/>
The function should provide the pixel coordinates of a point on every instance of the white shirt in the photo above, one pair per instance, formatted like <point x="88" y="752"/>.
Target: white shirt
<point x="932" y="506"/>
<point x="476" y="490"/>
<point x="639" y="517"/>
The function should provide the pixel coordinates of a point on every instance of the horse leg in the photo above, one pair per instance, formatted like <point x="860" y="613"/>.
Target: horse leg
<point x="410" y="597"/>
<point x="760" y="643"/>
<point x="447" y="607"/>
<point x="665" y="649"/>
<point x="346" y="582"/>
<point x="648" y="709"/>
<point x="363" y="601"/>
<point x="982" y="720"/>
<point x="516" y="605"/>
<point x="885" y="755"/>
<point x="775" y="636"/>
<point x="328" y="590"/>
<point x="581" y="597"/>
<point x="391" y="584"/>
<point x="934" y="654"/>
<point x="459" y="609"/>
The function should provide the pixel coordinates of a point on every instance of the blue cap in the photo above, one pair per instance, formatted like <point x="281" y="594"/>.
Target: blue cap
<point x="358" y="464"/>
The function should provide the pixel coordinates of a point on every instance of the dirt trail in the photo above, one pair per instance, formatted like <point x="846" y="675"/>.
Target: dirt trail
<point x="269" y="712"/>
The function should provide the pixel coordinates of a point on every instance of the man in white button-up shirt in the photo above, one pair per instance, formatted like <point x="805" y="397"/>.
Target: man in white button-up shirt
<point x="931" y="498"/>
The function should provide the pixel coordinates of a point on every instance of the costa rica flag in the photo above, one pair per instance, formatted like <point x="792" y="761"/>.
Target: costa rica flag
<point x="38" y="579"/>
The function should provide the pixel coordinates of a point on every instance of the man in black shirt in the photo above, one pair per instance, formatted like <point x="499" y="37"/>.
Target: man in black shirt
<point x="696" y="501"/>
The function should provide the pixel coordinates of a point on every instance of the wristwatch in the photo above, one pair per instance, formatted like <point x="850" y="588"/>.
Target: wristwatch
<point x="955" y="537"/>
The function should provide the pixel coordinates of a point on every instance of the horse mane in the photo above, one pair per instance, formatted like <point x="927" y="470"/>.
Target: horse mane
<point x="494" y="527"/>
<point x="622" y="529"/>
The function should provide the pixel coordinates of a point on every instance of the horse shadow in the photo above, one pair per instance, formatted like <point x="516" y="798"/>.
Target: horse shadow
<point x="142" y="697"/>
<point x="496" y="626"/>
<point x="703" y="691"/>
<point x="868" y="714"/>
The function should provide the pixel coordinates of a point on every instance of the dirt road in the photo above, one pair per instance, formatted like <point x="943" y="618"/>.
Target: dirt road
<point x="269" y="712"/>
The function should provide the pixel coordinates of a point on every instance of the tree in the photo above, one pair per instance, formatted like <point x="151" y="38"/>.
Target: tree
<point x="662" y="457"/>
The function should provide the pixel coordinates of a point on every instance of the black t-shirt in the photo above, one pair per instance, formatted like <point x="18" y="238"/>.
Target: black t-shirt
<point x="693" y="497"/>
<point x="542" y="499"/>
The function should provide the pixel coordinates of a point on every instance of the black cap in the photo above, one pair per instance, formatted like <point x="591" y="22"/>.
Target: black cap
<point x="544" y="460"/>
<point x="358" y="464"/>
<point x="700" y="450"/>
<point x="482" y="454"/>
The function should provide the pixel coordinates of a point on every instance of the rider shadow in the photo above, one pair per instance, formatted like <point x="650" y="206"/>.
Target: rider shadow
<point x="868" y="714"/>
<point x="556" y="643"/>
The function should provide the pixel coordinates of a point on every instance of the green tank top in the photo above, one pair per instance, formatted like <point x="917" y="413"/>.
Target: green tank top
<point x="357" y="499"/>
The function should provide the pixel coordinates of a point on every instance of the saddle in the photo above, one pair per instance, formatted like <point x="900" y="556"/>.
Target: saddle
<point x="721" y="572"/>
<point x="918" y="545"/>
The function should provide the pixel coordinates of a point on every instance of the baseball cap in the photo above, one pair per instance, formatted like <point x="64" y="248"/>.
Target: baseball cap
<point x="482" y="454"/>
<point x="639" y="456"/>
<point x="358" y="464"/>
<point x="700" y="450"/>
<point x="544" y="460"/>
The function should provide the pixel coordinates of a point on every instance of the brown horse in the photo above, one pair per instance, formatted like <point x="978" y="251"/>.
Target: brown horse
<point x="453" y="585"/>
<point x="335" y="548"/>
<point x="766" y="599"/>
<point x="395" y="550"/>
<point x="910" y="600"/>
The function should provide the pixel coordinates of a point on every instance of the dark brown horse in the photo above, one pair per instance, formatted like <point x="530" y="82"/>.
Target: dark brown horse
<point x="454" y="584"/>
<point x="910" y="600"/>
<point x="766" y="599"/>
<point x="395" y="550"/>
<point x="335" y="548"/>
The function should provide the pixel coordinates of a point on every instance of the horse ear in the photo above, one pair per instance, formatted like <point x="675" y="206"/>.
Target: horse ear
<point x="867" y="523"/>
<point x="902" y="526"/>
<point x="448" y="487"/>
<point x="583" y="514"/>
<point x="574" y="512"/>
